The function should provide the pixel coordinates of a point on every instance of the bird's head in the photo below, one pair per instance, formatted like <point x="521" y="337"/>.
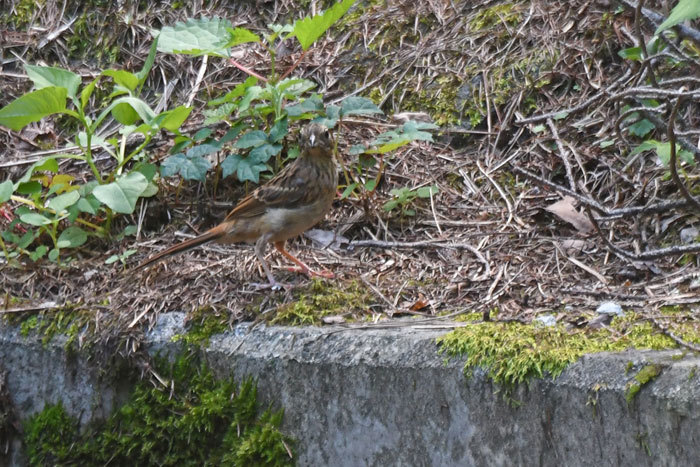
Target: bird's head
<point x="316" y="140"/>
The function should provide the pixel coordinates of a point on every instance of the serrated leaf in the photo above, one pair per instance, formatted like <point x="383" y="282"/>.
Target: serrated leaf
<point x="48" y="76"/>
<point x="61" y="202"/>
<point x="204" y="36"/>
<point x="241" y="36"/>
<point x="190" y="168"/>
<point x="121" y="195"/>
<point x="307" y="30"/>
<point x="250" y="139"/>
<point x="33" y="106"/>
<point x="72" y="237"/>
<point x="355" y="105"/>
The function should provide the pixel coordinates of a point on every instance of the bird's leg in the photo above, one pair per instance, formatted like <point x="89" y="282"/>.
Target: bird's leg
<point x="279" y="246"/>
<point x="259" y="252"/>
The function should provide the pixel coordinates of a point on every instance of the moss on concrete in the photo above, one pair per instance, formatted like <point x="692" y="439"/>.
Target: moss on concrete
<point x="645" y="375"/>
<point x="196" y="420"/>
<point x="513" y="353"/>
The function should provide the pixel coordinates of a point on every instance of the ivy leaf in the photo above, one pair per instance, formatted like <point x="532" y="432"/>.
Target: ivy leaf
<point x="47" y="76"/>
<point x="189" y="167"/>
<point x="33" y="106"/>
<point x="244" y="167"/>
<point x="354" y="105"/>
<point x="279" y="130"/>
<point x="264" y="152"/>
<point x="121" y="195"/>
<point x="250" y="139"/>
<point x="307" y="30"/>
<point x="204" y="36"/>
<point x="331" y="118"/>
<point x="71" y="237"/>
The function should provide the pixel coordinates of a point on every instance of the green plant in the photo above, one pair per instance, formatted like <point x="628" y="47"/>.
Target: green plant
<point x="50" y="197"/>
<point x="404" y="197"/>
<point x="122" y="257"/>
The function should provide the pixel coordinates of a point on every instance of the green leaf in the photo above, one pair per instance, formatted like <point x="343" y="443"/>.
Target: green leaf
<point x="237" y="91"/>
<point x="38" y="253"/>
<point x="121" y="195"/>
<point x="123" y="78"/>
<point x="6" y="189"/>
<point x="348" y="190"/>
<point x="606" y="144"/>
<point x="354" y="105"/>
<point x="61" y="202"/>
<point x="684" y="10"/>
<point x="264" y="152"/>
<point x="148" y="63"/>
<point x="204" y="133"/>
<point x="241" y="36"/>
<point x="426" y="191"/>
<point x="331" y="118"/>
<point x="310" y="105"/>
<point x="87" y="92"/>
<point x="53" y="254"/>
<point x="128" y="110"/>
<point x="34" y="218"/>
<point x="641" y="128"/>
<point x="174" y="118"/>
<point x="204" y="36"/>
<point x="231" y="134"/>
<point x="356" y="149"/>
<point x="252" y="93"/>
<point x="294" y="87"/>
<point x="33" y="106"/>
<point x="47" y="76"/>
<point x="88" y="204"/>
<point x="112" y="259"/>
<point x="71" y="237"/>
<point x="189" y="167"/>
<point x="244" y="168"/>
<point x="250" y="139"/>
<point x="631" y="53"/>
<point x="202" y="150"/>
<point x="307" y="30"/>
<point x="279" y="130"/>
<point x="28" y="188"/>
<point x="538" y="128"/>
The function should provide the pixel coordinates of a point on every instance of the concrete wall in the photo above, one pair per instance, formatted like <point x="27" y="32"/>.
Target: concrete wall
<point x="386" y="397"/>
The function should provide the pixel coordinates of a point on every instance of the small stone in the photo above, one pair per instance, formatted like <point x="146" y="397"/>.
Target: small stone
<point x="546" y="320"/>
<point x="689" y="234"/>
<point x="610" y="308"/>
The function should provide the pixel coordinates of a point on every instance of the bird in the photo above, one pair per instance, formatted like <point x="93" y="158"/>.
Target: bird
<point x="290" y="203"/>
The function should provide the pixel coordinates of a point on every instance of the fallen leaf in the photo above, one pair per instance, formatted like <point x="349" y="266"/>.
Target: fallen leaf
<point x="565" y="210"/>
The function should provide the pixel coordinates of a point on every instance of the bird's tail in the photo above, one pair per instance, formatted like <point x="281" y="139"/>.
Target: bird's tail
<point x="209" y="235"/>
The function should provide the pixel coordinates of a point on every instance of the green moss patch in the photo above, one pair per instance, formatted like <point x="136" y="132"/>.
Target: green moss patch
<point x="645" y="375"/>
<point x="514" y="353"/>
<point x="321" y="299"/>
<point x="198" y="420"/>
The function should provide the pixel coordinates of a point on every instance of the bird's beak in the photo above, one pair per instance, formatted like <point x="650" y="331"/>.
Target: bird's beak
<point x="312" y="139"/>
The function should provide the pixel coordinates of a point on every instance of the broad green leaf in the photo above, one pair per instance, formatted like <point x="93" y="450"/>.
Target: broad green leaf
<point x="47" y="76"/>
<point x="252" y="93"/>
<point x="231" y="134"/>
<point x="217" y="114"/>
<point x="204" y="36"/>
<point x="121" y="195"/>
<point x="241" y="36"/>
<point x="128" y="110"/>
<point x="307" y="30"/>
<point x="202" y="134"/>
<point x="53" y="254"/>
<point x="34" y="218"/>
<point x="310" y="105"/>
<point x="331" y="118"/>
<point x="426" y="191"/>
<point x="356" y="149"/>
<point x="250" y="139"/>
<point x="293" y="87"/>
<point x="112" y="259"/>
<point x="230" y="164"/>
<point x="38" y="253"/>
<point x="71" y="237"/>
<point x="279" y="130"/>
<point x="631" y="53"/>
<point x="244" y="168"/>
<point x="6" y="189"/>
<point x="28" y="188"/>
<point x="190" y="168"/>
<point x="33" y="106"/>
<point x="123" y="78"/>
<point x="684" y="10"/>
<point x="87" y="92"/>
<point x="61" y="202"/>
<point x="264" y="152"/>
<point x="174" y="118"/>
<point x="354" y="105"/>
<point x="641" y="128"/>
<point x="202" y="150"/>
<point x="47" y="164"/>
<point x="88" y="204"/>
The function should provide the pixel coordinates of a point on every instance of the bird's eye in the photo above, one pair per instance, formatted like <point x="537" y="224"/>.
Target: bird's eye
<point x="326" y="134"/>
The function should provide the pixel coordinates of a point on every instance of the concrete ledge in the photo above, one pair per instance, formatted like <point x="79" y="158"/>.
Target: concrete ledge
<point x="386" y="397"/>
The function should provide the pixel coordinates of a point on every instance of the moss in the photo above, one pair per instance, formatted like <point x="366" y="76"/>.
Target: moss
<point x="321" y="299"/>
<point x="203" y="323"/>
<point x="67" y="321"/>
<point x="197" y="420"/>
<point x="646" y="374"/>
<point x="23" y="13"/>
<point x="513" y="353"/>
<point x="487" y="18"/>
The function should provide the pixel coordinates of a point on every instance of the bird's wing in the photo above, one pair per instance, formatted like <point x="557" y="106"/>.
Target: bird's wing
<point x="286" y="190"/>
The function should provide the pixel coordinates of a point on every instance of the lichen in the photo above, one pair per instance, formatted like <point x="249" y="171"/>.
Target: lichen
<point x="646" y="374"/>
<point x="513" y="353"/>
<point x="196" y="420"/>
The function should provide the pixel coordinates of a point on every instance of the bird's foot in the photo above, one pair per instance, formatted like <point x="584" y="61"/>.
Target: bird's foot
<point x="326" y="274"/>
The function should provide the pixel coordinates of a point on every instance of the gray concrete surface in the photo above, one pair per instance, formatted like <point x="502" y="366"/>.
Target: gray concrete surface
<point x="386" y="397"/>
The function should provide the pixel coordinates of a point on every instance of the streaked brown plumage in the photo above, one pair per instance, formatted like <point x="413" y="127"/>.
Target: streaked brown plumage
<point x="290" y="203"/>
